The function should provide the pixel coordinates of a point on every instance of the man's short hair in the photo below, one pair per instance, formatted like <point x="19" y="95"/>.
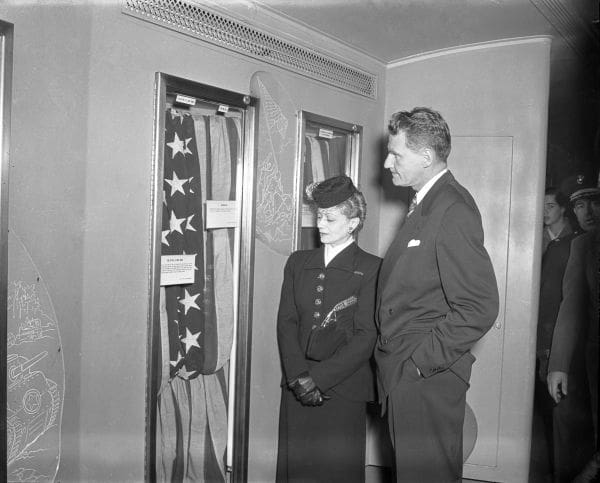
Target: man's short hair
<point x="423" y="128"/>
<point x="561" y="199"/>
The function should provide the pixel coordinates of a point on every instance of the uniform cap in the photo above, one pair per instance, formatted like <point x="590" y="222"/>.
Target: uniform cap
<point x="580" y="186"/>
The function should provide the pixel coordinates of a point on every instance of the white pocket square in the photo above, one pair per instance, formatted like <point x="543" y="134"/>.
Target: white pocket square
<point x="413" y="243"/>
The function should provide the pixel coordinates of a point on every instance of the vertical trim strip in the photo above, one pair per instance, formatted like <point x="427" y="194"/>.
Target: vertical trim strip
<point x="153" y="362"/>
<point x="244" y="331"/>
<point x="6" y="62"/>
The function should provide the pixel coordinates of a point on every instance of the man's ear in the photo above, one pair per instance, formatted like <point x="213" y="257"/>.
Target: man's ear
<point x="428" y="157"/>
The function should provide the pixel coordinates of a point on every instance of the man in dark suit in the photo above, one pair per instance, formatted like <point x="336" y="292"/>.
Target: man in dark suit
<point x="436" y="296"/>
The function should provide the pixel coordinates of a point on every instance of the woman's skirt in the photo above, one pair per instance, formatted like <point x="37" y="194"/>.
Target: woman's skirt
<point x="323" y="443"/>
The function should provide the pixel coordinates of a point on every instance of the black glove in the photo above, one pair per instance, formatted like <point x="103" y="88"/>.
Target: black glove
<point x="306" y="391"/>
<point x="302" y="385"/>
<point x="313" y="398"/>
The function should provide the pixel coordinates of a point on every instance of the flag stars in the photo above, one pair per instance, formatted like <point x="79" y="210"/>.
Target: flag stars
<point x="187" y="150"/>
<point x="177" y="361"/>
<point x="184" y="373"/>
<point x="176" y="184"/>
<point x="183" y="324"/>
<point x="184" y="252"/>
<point x="176" y="114"/>
<point x="190" y="340"/>
<point x="175" y="223"/>
<point x="177" y="146"/>
<point x="189" y="302"/>
<point x="188" y="224"/>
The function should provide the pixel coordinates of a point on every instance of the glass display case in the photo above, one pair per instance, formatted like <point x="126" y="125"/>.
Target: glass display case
<point x="200" y="281"/>
<point x="327" y="147"/>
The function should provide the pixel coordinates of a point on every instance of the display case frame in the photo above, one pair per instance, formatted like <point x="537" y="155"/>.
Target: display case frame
<point x="354" y="133"/>
<point x="237" y="457"/>
<point x="6" y="62"/>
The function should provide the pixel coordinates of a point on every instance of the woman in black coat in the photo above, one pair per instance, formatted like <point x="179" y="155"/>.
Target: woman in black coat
<point x="326" y="334"/>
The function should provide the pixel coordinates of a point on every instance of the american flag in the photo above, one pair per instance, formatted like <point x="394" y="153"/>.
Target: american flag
<point x="190" y="308"/>
<point x="202" y="152"/>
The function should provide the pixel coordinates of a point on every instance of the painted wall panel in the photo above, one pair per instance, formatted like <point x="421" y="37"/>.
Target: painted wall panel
<point x="276" y="163"/>
<point x="47" y="176"/>
<point x="494" y="91"/>
<point x="80" y="201"/>
<point x="489" y="188"/>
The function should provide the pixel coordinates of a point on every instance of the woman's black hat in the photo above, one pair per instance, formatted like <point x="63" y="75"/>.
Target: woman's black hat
<point x="332" y="191"/>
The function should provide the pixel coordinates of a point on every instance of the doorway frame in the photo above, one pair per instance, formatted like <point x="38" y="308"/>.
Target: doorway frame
<point x="6" y="63"/>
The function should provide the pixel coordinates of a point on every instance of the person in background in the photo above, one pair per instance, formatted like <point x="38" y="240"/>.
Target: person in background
<point x="436" y="297"/>
<point x="564" y="426"/>
<point x="573" y="361"/>
<point x="586" y="204"/>
<point x="556" y="223"/>
<point x="326" y="334"/>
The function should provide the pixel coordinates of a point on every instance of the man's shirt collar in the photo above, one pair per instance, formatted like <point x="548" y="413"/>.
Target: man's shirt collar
<point x="427" y="186"/>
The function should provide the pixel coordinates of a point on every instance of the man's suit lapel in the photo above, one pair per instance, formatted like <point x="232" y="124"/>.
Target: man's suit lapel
<point x="410" y="230"/>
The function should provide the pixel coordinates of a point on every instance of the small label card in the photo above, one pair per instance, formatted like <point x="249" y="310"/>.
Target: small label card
<point x="223" y="109"/>
<point x="181" y="99"/>
<point x="177" y="269"/>
<point x="221" y="214"/>
<point x="326" y="133"/>
<point x="309" y="217"/>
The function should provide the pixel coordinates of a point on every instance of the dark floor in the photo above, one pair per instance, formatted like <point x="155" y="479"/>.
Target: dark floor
<point x="377" y="474"/>
<point x="539" y="469"/>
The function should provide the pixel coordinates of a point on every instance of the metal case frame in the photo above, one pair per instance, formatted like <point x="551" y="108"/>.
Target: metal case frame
<point x="6" y="61"/>
<point x="354" y="130"/>
<point x="242" y="340"/>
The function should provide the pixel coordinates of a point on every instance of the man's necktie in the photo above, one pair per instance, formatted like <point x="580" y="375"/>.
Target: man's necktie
<point x="412" y="206"/>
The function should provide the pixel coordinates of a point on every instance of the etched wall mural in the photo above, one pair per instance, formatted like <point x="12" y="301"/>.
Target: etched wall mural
<point x="35" y="372"/>
<point x="276" y="158"/>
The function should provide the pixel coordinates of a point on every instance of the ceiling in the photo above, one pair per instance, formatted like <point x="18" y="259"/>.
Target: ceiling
<point x="392" y="30"/>
<point x="389" y="30"/>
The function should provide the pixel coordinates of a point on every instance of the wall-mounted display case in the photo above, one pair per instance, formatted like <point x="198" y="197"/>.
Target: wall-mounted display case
<point x="326" y="147"/>
<point x="200" y="289"/>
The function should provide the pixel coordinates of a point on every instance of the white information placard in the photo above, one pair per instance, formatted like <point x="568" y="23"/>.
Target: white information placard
<point x="177" y="269"/>
<point x="326" y="133"/>
<point x="181" y="99"/>
<point x="221" y="214"/>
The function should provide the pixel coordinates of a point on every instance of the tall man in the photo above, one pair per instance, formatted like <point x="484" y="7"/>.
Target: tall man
<point x="437" y="295"/>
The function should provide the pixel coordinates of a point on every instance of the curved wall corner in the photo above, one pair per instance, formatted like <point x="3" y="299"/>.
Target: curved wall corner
<point x="35" y="372"/>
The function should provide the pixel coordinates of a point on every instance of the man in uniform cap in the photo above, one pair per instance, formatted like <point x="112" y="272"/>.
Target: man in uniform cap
<point x="574" y="352"/>
<point x="584" y="197"/>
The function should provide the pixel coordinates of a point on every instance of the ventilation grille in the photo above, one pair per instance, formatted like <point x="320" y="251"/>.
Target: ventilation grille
<point x="215" y="28"/>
